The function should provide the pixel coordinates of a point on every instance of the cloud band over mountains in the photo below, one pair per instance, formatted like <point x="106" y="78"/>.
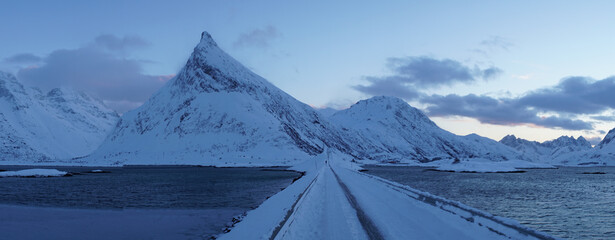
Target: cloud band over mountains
<point x="554" y="107"/>
<point x="413" y="73"/>
<point x="99" y="68"/>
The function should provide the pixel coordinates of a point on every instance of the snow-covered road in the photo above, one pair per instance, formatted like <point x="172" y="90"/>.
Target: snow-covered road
<point x="323" y="213"/>
<point x="335" y="202"/>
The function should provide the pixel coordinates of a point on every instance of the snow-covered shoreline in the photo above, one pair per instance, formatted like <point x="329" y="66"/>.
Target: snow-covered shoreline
<point x="36" y="172"/>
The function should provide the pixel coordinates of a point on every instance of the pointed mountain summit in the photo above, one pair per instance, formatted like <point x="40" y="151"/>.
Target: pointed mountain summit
<point x="217" y="112"/>
<point x="607" y="140"/>
<point x="60" y="124"/>
<point x="403" y="132"/>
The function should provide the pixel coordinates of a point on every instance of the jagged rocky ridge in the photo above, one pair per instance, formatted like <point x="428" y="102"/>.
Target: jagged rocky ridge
<point x="544" y="152"/>
<point x="566" y="150"/>
<point x="402" y="132"/>
<point x="217" y="112"/>
<point x="600" y="155"/>
<point x="39" y="127"/>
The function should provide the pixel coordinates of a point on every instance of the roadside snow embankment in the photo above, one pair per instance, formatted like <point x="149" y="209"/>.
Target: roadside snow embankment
<point x="34" y="173"/>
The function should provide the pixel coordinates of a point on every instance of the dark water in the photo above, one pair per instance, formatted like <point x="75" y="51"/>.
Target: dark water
<point x="561" y="202"/>
<point x="174" y="187"/>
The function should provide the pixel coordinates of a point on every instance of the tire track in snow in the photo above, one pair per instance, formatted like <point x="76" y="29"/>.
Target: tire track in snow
<point x="290" y="212"/>
<point x="368" y="225"/>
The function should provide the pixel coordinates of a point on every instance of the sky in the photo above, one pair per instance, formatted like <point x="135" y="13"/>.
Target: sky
<point x="535" y="69"/>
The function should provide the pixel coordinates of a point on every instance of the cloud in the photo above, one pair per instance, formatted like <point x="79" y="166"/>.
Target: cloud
<point x="23" y="58"/>
<point x="577" y="95"/>
<point x="93" y="69"/>
<point x="492" y="45"/>
<point x="564" y="102"/>
<point x="594" y="140"/>
<point x="429" y="72"/>
<point x="388" y="87"/>
<point x="259" y="38"/>
<point x="495" y="42"/>
<point x="604" y="118"/>
<point x="413" y="73"/>
<point x="491" y="73"/>
<point x="496" y="111"/>
<point x="114" y="43"/>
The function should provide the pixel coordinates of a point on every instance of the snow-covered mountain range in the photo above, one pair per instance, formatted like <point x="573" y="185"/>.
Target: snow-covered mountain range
<point x="566" y="150"/>
<point x="37" y="127"/>
<point x="544" y="152"/>
<point x="402" y="132"/>
<point x="217" y="112"/>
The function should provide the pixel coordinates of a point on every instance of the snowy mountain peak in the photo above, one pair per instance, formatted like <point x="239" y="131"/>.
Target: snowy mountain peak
<point x="59" y="95"/>
<point x="210" y="69"/>
<point x="567" y="141"/>
<point x="547" y="151"/>
<point x="216" y="111"/>
<point x="13" y="91"/>
<point x="607" y="139"/>
<point x="404" y="132"/>
<point x="207" y="40"/>
<point x="384" y="108"/>
<point x="509" y="140"/>
<point x="4" y="76"/>
<point x="69" y="94"/>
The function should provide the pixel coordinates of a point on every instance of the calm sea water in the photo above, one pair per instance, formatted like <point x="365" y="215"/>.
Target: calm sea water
<point x="165" y="187"/>
<point x="562" y="202"/>
<point x="169" y="202"/>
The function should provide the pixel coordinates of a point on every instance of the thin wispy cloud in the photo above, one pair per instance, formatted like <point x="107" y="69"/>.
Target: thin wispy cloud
<point x="115" y="43"/>
<point x="23" y="58"/>
<point x="496" y="42"/>
<point x="492" y="45"/>
<point x="257" y="38"/>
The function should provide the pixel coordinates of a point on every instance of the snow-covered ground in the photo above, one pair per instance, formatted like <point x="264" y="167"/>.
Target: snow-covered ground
<point x="21" y="222"/>
<point x="33" y="173"/>
<point x="333" y="201"/>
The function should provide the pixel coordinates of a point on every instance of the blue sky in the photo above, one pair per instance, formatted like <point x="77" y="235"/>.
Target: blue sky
<point x="534" y="69"/>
